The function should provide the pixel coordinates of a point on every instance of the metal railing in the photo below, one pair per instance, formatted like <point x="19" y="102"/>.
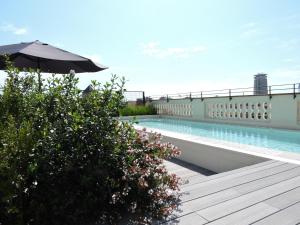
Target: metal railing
<point x="137" y="97"/>
<point x="293" y="89"/>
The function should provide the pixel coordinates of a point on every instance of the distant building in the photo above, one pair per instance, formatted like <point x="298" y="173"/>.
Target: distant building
<point x="260" y="84"/>
<point x="299" y="88"/>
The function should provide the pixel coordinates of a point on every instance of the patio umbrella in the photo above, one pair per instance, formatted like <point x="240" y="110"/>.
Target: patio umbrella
<point x="46" y="58"/>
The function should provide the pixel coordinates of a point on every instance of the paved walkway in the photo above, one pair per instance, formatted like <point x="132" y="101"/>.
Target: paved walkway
<point x="264" y="193"/>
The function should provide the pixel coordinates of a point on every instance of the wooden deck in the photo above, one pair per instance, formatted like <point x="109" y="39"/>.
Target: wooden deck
<point x="264" y="193"/>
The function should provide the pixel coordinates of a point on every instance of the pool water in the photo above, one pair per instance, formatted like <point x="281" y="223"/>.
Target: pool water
<point x="278" y="139"/>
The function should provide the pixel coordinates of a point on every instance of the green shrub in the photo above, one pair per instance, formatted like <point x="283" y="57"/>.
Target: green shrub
<point x="134" y="110"/>
<point x="66" y="159"/>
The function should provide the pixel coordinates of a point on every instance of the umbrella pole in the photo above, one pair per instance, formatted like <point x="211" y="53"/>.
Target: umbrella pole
<point x="39" y="74"/>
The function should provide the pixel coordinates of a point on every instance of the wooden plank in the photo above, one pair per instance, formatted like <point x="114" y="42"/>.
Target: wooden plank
<point x="253" y="194"/>
<point x="287" y="216"/>
<point x="205" y="202"/>
<point x="246" y="216"/>
<point x="179" y="170"/>
<point x="172" y="167"/>
<point x="185" y="173"/>
<point x="244" y="201"/>
<point x="219" y="197"/>
<point x="235" y="173"/>
<point x="236" y="198"/>
<point x="190" y="166"/>
<point x="245" y="168"/>
<point x="213" y="186"/>
<point x="267" y="181"/>
<point x="285" y="199"/>
<point x="244" y="177"/>
<point x="190" y="219"/>
<point x="184" y="170"/>
<point x="227" y="173"/>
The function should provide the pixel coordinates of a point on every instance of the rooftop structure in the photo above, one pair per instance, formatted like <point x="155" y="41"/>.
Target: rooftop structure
<point x="260" y="84"/>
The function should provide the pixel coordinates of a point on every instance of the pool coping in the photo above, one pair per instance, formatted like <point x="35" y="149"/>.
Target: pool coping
<point x="273" y="154"/>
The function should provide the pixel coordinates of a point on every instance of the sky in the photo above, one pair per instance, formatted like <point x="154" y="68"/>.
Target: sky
<point x="166" y="46"/>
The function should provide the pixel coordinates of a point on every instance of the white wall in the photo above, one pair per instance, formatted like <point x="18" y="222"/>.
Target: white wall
<point x="282" y="110"/>
<point x="211" y="157"/>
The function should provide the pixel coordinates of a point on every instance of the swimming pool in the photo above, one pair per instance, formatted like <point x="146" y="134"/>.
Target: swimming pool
<point x="276" y="139"/>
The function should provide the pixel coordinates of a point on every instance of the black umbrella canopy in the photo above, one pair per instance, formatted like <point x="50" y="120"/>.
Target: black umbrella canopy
<point x="46" y="58"/>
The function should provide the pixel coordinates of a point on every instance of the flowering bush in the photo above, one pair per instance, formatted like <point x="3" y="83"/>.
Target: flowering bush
<point x="152" y="189"/>
<point x="66" y="159"/>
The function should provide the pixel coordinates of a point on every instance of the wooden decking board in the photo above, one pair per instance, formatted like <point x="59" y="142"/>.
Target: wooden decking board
<point x="287" y="216"/>
<point x="185" y="173"/>
<point x="242" y="169"/>
<point x="227" y="194"/>
<point x="285" y="199"/>
<point x="197" y="179"/>
<point x="218" y="178"/>
<point x="190" y="219"/>
<point x="186" y="169"/>
<point x="174" y="168"/>
<point x="206" y="188"/>
<point x="179" y="170"/>
<point x="181" y="164"/>
<point x="247" y="200"/>
<point x="205" y="202"/>
<point x="257" y="194"/>
<point x="267" y="181"/>
<point x="244" y="178"/>
<point x="239" y="170"/>
<point x="247" y="216"/>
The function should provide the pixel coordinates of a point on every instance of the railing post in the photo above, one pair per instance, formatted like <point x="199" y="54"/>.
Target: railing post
<point x="294" y="90"/>
<point x="201" y="97"/>
<point x="191" y="99"/>
<point x="230" y="97"/>
<point x="167" y="98"/>
<point x="270" y="92"/>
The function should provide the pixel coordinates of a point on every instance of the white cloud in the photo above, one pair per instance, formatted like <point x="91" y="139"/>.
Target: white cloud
<point x="153" y="49"/>
<point x="249" y="33"/>
<point x="249" y="25"/>
<point x="290" y="44"/>
<point x="13" y="29"/>
<point x="250" y="30"/>
<point x="289" y="18"/>
<point x="289" y="60"/>
<point x="286" y="75"/>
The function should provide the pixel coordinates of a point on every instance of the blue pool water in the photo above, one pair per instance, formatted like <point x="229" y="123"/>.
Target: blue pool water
<point x="278" y="139"/>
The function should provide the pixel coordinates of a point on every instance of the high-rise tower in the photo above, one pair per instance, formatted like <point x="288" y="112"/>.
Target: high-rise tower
<point x="260" y="84"/>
